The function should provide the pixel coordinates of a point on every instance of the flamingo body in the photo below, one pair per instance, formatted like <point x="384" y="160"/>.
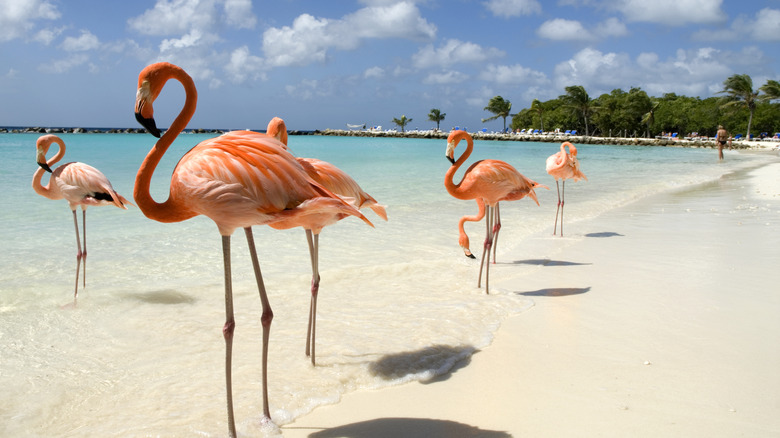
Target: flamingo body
<point x="78" y="183"/>
<point x="238" y="179"/>
<point x="490" y="181"/>
<point x="563" y="165"/>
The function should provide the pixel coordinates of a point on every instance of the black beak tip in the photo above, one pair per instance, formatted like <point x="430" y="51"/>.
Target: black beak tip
<point x="452" y="160"/>
<point x="149" y="124"/>
<point x="45" y="167"/>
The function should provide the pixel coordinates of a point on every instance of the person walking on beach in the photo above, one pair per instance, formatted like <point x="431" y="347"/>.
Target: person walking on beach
<point x="722" y="137"/>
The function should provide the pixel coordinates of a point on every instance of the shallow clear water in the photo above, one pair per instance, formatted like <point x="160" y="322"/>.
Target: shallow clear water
<point x="142" y="353"/>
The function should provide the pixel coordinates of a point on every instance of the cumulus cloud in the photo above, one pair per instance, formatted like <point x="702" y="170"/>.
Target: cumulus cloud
<point x="513" y="8"/>
<point x="18" y="17"/>
<point x="672" y="12"/>
<point x="764" y="26"/>
<point x="453" y="52"/>
<point x="560" y="29"/>
<point x="243" y="66"/>
<point x="177" y="17"/>
<point x="450" y="77"/>
<point x="513" y="75"/>
<point x="84" y="42"/>
<point x="64" y="65"/>
<point x="374" y="72"/>
<point x="309" y="38"/>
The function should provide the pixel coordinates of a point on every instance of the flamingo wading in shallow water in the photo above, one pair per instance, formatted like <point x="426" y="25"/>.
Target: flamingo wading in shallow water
<point x="491" y="181"/>
<point x="238" y="179"/>
<point x="78" y="183"/>
<point x="338" y="182"/>
<point x="562" y="165"/>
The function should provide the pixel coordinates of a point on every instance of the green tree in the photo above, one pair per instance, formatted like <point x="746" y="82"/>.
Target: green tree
<point x="578" y="102"/>
<point x="402" y="122"/>
<point x="771" y="90"/>
<point x="436" y="116"/>
<point x="538" y="108"/>
<point x="500" y="108"/>
<point x="649" y="118"/>
<point x="739" y="93"/>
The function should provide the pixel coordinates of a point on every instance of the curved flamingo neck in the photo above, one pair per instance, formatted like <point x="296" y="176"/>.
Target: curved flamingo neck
<point x="452" y="188"/>
<point x="43" y="147"/>
<point x="170" y="210"/>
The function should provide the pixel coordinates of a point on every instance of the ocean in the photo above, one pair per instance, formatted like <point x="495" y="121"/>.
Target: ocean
<point x="142" y="353"/>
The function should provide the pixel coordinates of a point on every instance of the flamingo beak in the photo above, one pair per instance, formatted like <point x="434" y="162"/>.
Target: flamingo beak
<point x="450" y="154"/>
<point x="45" y="166"/>
<point x="148" y="123"/>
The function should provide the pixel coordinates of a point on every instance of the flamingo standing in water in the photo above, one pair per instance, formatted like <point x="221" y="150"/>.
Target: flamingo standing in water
<point x="491" y="181"/>
<point x="238" y="179"/>
<point x="338" y="182"/>
<point x="78" y="183"/>
<point x="562" y="165"/>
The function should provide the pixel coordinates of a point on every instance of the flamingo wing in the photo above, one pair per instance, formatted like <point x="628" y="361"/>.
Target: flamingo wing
<point x="82" y="184"/>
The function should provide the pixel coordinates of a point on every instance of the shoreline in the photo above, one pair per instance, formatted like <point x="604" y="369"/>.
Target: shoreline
<point x="433" y="134"/>
<point x="623" y="340"/>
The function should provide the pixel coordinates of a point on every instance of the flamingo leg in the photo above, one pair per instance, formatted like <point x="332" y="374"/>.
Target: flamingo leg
<point x="84" y="253"/>
<point x="314" y="249"/>
<point x="558" y="208"/>
<point x="486" y="249"/>
<point x="266" y="319"/>
<point x="227" y="333"/>
<point x="563" y="201"/>
<point x="79" y="254"/>
<point x="496" y="228"/>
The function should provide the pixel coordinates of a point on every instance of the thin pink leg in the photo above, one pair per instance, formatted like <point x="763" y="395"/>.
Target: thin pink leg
<point x="84" y="253"/>
<point x="314" y="249"/>
<point x="558" y="189"/>
<point x="227" y="332"/>
<point x="486" y="249"/>
<point x="496" y="229"/>
<point x="79" y="254"/>
<point x="265" y="319"/>
<point x="563" y="201"/>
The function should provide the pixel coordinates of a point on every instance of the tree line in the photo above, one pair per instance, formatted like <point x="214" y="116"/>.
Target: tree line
<point x="741" y="109"/>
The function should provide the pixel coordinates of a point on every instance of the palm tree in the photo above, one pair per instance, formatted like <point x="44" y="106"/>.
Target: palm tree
<point x="649" y="118"/>
<point x="436" y="116"/>
<point x="739" y="90"/>
<point x="402" y="122"/>
<point x="538" y="106"/>
<point x="578" y="102"/>
<point x="500" y="108"/>
<point x="771" y="90"/>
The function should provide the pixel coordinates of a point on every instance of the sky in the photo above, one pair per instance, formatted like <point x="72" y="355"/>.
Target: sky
<point x="324" y="64"/>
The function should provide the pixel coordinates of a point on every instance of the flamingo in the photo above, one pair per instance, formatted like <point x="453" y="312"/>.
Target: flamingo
<point x="78" y="183"/>
<point x="491" y="181"/>
<point x="562" y="165"/>
<point x="238" y="179"/>
<point x="338" y="182"/>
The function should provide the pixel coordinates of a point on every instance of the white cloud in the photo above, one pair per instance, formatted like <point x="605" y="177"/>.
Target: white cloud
<point x="84" y="42"/>
<point x="611" y="27"/>
<point x="766" y="26"/>
<point x="672" y="12"/>
<point x="309" y="38"/>
<point x="453" y="52"/>
<point x="243" y="66"/>
<point x="513" y="8"/>
<point x="560" y="29"/>
<point x="512" y="74"/>
<point x="238" y="13"/>
<point x="374" y="72"/>
<point x="450" y="77"/>
<point x="18" y="17"/>
<point x="177" y="17"/>
<point x="46" y="36"/>
<point x="65" y="64"/>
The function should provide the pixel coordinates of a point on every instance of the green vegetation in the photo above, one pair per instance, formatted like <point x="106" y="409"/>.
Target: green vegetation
<point x="633" y="113"/>
<point x="402" y="122"/>
<point x="500" y="108"/>
<point x="436" y="116"/>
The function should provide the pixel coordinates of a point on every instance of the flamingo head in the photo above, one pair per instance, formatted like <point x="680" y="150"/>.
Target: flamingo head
<point x="42" y="148"/>
<point x="452" y="141"/>
<point x="572" y="148"/>
<point x="277" y="129"/>
<point x="150" y="83"/>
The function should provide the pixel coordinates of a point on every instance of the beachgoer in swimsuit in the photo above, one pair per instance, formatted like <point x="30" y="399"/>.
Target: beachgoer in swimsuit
<point x="722" y="137"/>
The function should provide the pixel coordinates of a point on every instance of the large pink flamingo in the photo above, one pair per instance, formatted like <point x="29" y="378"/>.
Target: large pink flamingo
<point x="491" y="181"/>
<point x="238" y="179"/>
<point x="338" y="182"/>
<point x="78" y="183"/>
<point x="562" y="165"/>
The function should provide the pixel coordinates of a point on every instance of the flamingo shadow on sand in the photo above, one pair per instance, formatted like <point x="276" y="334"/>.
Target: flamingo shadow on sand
<point x="604" y="234"/>
<point x="555" y="292"/>
<point x="433" y="364"/>
<point x="548" y="262"/>
<point x="409" y="428"/>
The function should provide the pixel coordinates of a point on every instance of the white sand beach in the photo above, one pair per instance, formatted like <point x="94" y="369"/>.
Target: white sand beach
<point x="656" y="319"/>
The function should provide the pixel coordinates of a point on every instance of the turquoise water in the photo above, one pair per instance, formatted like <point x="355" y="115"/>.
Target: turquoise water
<point x="143" y="350"/>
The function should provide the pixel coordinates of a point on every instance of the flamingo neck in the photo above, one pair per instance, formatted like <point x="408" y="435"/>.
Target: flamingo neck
<point x="38" y="175"/>
<point x="170" y="210"/>
<point x="452" y="188"/>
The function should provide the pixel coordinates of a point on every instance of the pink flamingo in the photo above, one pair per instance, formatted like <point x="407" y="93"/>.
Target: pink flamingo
<point x="562" y="165"/>
<point x="491" y="181"/>
<point x="338" y="182"/>
<point x="78" y="183"/>
<point x="238" y="179"/>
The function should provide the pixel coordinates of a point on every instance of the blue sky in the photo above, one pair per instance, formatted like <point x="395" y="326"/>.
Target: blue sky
<point x="322" y="64"/>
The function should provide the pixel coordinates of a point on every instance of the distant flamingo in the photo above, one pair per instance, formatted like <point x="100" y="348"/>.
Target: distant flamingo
<point x="78" y="183"/>
<point x="338" y="182"/>
<point x="238" y="179"/>
<point x="491" y="181"/>
<point x="562" y="165"/>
